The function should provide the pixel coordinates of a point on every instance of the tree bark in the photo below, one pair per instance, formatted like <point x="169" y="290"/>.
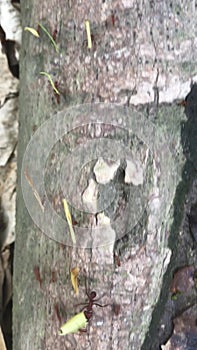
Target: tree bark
<point x="140" y="54"/>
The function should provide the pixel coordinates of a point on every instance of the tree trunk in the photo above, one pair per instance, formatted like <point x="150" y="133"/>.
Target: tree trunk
<point x="118" y="167"/>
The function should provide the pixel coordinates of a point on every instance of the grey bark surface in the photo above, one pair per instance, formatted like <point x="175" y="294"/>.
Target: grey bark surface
<point x="143" y="52"/>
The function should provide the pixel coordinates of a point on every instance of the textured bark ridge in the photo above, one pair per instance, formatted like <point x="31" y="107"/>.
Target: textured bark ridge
<point x="122" y="164"/>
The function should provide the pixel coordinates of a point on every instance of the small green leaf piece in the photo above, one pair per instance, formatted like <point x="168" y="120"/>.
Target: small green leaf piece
<point x="51" y="82"/>
<point x="50" y="37"/>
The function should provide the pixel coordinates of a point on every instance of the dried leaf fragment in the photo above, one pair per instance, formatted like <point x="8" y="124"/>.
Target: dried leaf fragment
<point x="74" y="279"/>
<point x="29" y="179"/>
<point x="69" y="220"/>
<point x="32" y="31"/>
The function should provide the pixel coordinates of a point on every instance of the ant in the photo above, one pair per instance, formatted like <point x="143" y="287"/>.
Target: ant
<point x="88" y="306"/>
<point x="91" y="301"/>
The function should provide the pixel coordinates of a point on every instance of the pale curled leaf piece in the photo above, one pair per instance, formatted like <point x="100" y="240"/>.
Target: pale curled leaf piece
<point x="74" y="279"/>
<point x="50" y="37"/>
<point x="69" y="220"/>
<point x="87" y="26"/>
<point x="51" y="82"/>
<point x="29" y="179"/>
<point x="74" y="324"/>
<point x="32" y="31"/>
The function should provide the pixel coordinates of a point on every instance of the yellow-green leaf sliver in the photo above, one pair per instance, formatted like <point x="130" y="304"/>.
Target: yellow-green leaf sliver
<point x="69" y="220"/>
<point x="32" y="31"/>
<point x="51" y="81"/>
<point x="50" y="37"/>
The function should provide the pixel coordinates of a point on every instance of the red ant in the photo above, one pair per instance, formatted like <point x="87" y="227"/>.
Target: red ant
<point x="91" y="301"/>
<point x="88" y="306"/>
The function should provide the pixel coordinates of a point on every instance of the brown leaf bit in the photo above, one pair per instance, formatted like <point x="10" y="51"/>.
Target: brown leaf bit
<point x="193" y="222"/>
<point x="117" y="260"/>
<point x="116" y="309"/>
<point x="57" y="312"/>
<point x="62" y="246"/>
<point x="37" y="275"/>
<point x="195" y="279"/>
<point x="54" y="35"/>
<point x="38" y="29"/>
<point x="30" y="181"/>
<point x="112" y="20"/>
<point x="74" y="279"/>
<point x="182" y="280"/>
<point x="74" y="222"/>
<point x="182" y="103"/>
<point x="53" y="276"/>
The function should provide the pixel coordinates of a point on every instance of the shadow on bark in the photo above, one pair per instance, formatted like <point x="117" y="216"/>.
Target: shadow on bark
<point x="161" y="327"/>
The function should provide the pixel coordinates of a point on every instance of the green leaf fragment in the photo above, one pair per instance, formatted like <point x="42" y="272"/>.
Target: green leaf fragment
<point x="50" y="37"/>
<point x="51" y="82"/>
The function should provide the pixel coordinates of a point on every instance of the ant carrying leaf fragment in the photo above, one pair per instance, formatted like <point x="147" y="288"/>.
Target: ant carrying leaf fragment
<point x="79" y="321"/>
